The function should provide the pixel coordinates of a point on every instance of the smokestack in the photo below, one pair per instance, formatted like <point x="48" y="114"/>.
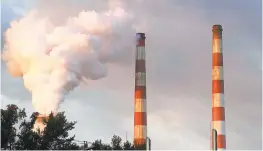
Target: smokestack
<point x="218" y="105"/>
<point x="140" y="117"/>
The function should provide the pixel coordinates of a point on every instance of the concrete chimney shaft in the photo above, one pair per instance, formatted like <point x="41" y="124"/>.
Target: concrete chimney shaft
<point x="140" y="113"/>
<point x="218" y="105"/>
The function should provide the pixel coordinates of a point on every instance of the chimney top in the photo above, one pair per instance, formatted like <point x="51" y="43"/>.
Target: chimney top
<point x="140" y="36"/>
<point x="217" y="27"/>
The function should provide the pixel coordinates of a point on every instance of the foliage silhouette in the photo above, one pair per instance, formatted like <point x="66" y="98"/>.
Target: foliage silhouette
<point x="17" y="133"/>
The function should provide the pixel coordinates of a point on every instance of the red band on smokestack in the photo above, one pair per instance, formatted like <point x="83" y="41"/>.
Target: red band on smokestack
<point x="140" y="118"/>
<point x="141" y="42"/>
<point x="140" y="115"/>
<point x="140" y="66"/>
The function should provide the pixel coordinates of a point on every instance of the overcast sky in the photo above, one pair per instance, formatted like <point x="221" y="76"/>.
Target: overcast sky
<point x="178" y="54"/>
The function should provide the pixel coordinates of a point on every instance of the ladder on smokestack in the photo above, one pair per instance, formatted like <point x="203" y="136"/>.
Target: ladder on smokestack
<point x="148" y="143"/>
<point x="214" y="140"/>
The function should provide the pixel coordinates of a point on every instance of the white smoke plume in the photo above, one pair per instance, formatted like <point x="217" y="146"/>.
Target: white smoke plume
<point x="55" y="59"/>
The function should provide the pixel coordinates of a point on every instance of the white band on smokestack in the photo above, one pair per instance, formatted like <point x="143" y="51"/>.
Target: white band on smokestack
<point x="141" y="78"/>
<point x="218" y="100"/>
<point x="140" y="131"/>
<point x="140" y="105"/>
<point x="218" y="73"/>
<point x="217" y="45"/>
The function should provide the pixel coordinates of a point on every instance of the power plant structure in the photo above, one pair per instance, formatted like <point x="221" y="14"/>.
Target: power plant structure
<point x="140" y="108"/>
<point x="218" y="138"/>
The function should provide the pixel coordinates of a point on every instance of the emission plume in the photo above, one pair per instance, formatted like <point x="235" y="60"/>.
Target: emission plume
<point x="54" y="59"/>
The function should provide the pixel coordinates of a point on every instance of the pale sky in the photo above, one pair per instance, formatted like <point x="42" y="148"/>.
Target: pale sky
<point x="178" y="53"/>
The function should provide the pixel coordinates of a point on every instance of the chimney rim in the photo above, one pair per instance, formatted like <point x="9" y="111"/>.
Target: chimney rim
<point x="140" y="35"/>
<point x="217" y="27"/>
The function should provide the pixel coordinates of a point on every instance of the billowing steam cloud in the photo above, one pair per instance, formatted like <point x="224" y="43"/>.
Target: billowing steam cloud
<point x="53" y="60"/>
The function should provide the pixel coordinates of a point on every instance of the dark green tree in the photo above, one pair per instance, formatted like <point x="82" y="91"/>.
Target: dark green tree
<point x="9" y="118"/>
<point x="55" y="136"/>
<point x="127" y="146"/>
<point x="28" y="139"/>
<point x="97" y="144"/>
<point x="106" y="147"/>
<point x="116" y="142"/>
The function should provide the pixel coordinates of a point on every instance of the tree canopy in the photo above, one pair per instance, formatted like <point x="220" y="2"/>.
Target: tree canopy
<point x="9" y="118"/>
<point x="17" y="133"/>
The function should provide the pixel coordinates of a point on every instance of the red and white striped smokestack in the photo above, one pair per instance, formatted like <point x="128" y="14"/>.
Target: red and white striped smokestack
<point x="140" y="117"/>
<point x="218" y="105"/>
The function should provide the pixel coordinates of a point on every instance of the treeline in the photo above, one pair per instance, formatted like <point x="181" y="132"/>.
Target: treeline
<point x="54" y="137"/>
